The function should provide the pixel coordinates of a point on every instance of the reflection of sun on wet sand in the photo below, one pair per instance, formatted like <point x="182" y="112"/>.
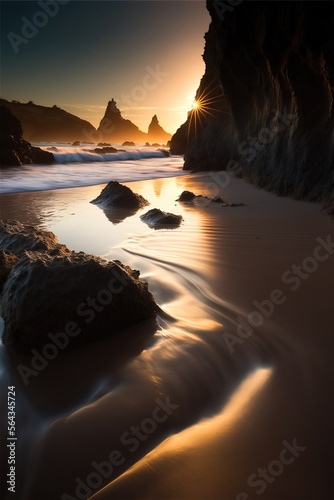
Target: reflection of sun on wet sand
<point x="194" y="410"/>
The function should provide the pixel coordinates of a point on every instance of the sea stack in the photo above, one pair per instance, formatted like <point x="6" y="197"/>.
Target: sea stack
<point x="156" y="133"/>
<point x="116" y="129"/>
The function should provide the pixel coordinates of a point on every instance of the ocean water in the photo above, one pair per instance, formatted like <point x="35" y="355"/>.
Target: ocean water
<point x="239" y="388"/>
<point x="79" y="166"/>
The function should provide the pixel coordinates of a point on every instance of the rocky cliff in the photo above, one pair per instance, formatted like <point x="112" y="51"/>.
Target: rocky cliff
<point x="14" y="150"/>
<point x="43" y="124"/>
<point x="265" y="102"/>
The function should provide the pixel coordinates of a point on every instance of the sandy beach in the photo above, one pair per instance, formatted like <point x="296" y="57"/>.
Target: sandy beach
<point x="229" y="395"/>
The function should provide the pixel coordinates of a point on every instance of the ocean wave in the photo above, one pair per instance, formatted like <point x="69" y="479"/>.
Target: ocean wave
<point x="77" y="173"/>
<point x="83" y="156"/>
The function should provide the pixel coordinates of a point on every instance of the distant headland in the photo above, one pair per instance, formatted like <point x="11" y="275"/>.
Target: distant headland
<point x="53" y="124"/>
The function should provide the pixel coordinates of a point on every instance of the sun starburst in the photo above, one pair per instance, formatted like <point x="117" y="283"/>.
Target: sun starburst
<point x="206" y="104"/>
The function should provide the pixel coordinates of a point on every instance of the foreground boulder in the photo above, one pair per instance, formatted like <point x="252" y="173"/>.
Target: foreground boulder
<point x="14" y="150"/>
<point x="16" y="238"/>
<point x="158" y="219"/>
<point x="115" y="195"/>
<point x="68" y="299"/>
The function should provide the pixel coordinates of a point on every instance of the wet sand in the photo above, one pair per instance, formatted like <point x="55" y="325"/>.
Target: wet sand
<point x="197" y="405"/>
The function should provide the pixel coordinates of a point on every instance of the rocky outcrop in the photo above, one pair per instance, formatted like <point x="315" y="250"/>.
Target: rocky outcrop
<point x="17" y="238"/>
<point x="42" y="123"/>
<point x="48" y="289"/>
<point x="114" y="128"/>
<point x="115" y="195"/>
<point x="158" y="219"/>
<point x="105" y="150"/>
<point x="273" y="64"/>
<point x="186" y="196"/>
<point x="52" y="300"/>
<point x="14" y="150"/>
<point x="156" y="133"/>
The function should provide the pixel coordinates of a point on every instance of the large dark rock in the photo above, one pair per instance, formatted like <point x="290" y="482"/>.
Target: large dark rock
<point x="16" y="238"/>
<point x="115" y="195"/>
<point x="266" y="97"/>
<point x="14" y="150"/>
<point x="82" y="295"/>
<point x="158" y="219"/>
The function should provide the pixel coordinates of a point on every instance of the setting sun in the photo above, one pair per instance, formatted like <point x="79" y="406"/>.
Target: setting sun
<point x="195" y="105"/>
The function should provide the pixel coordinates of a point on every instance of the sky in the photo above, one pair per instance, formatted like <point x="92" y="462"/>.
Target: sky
<point x="147" y="55"/>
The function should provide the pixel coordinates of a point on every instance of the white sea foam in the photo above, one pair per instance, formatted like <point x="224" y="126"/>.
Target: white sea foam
<point x="78" y="166"/>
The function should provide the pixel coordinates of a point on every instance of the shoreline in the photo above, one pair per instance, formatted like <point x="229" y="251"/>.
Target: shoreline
<point x="206" y="276"/>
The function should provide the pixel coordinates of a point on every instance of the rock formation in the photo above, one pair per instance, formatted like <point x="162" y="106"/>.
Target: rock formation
<point x="17" y="238"/>
<point x="42" y="123"/>
<point x="14" y="150"/>
<point x="115" y="195"/>
<point x="156" y="133"/>
<point x="272" y="63"/>
<point x="158" y="219"/>
<point x="58" y="294"/>
<point x="114" y="128"/>
<point x="53" y="297"/>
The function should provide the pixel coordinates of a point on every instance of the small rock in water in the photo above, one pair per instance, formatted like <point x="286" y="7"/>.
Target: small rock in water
<point x="186" y="196"/>
<point x="158" y="219"/>
<point x="115" y="195"/>
<point x="217" y="199"/>
<point x="105" y="150"/>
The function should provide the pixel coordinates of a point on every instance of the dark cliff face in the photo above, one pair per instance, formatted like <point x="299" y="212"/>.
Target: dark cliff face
<point x="14" y="150"/>
<point x="273" y="122"/>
